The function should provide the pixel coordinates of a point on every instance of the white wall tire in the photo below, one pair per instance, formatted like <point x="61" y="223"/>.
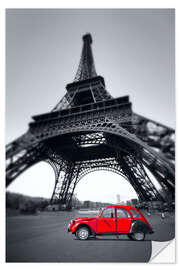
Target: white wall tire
<point x="82" y="233"/>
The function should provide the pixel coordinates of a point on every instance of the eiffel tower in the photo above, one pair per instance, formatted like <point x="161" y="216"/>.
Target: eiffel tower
<point x="90" y="130"/>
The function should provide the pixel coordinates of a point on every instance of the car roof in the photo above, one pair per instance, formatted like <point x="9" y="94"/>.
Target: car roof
<point x="121" y="206"/>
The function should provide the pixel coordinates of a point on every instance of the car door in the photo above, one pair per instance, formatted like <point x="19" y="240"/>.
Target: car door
<point x="106" y="223"/>
<point x="123" y="220"/>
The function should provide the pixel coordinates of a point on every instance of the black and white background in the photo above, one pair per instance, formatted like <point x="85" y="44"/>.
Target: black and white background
<point x="42" y="54"/>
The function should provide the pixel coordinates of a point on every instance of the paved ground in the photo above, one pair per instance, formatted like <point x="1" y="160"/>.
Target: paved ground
<point x="43" y="238"/>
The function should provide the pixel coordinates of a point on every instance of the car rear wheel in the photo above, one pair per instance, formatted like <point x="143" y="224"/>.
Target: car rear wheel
<point x="138" y="236"/>
<point x="82" y="233"/>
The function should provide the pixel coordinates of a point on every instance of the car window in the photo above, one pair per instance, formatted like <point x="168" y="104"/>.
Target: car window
<point x="108" y="212"/>
<point x="134" y="213"/>
<point x="122" y="213"/>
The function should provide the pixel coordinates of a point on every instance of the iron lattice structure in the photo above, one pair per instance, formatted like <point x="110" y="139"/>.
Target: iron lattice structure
<point x="90" y="130"/>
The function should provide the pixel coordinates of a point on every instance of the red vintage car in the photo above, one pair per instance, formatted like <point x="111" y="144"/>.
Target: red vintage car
<point x="114" y="220"/>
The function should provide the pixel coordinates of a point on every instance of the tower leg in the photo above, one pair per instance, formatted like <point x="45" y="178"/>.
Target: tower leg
<point x="66" y="175"/>
<point x="135" y="172"/>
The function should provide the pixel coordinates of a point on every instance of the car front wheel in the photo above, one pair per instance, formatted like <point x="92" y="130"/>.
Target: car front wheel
<point x="138" y="236"/>
<point x="82" y="233"/>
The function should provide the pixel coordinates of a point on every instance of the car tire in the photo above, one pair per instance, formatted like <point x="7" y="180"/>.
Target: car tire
<point x="138" y="236"/>
<point x="82" y="233"/>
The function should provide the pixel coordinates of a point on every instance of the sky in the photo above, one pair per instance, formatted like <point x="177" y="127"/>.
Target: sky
<point x="101" y="186"/>
<point x="133" y="50"/>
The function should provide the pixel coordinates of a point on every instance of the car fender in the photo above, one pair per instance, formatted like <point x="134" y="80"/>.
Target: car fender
<point x="139" y="226"/>
<point x="78" y="225"/>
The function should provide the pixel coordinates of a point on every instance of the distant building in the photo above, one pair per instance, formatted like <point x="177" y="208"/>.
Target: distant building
<point x="87" y="204"/>
<point x="94" y="205"/>
<point x="134" y="202"/>
<point x="118" y="198"/>
<point x="53" y="207"/>
<point x="128" y="202"/>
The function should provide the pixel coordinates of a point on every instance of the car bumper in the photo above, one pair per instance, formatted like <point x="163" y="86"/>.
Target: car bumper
<point x="68" y="230"/>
